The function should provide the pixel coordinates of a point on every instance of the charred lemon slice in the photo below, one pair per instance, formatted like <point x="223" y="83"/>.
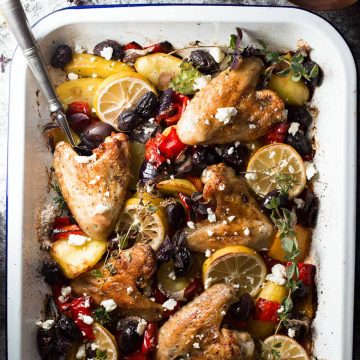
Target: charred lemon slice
<point x="286" y="347"/>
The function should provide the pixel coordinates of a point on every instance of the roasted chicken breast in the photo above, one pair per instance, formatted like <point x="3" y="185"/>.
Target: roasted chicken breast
<point x="94" y="187"/>
<point x="121" y="280"/>
<point x="237" y="218"/>
<point x="256" y="111"/>
<point x="194" y="331"/>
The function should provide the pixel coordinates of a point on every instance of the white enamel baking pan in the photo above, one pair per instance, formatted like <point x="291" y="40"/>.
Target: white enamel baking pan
<point x="334" y="238"/>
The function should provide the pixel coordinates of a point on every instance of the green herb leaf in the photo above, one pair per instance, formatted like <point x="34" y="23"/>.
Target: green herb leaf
<point x="96" y="273"/>
<point x="284" y="72"/>
<point x="184" y="81"/>
<point x="59" y="199"/>
<point x="232" y="44"/>
<point x="314" y="72"/>
<point x="102" y="316"/>
<point x="101" y="354"/>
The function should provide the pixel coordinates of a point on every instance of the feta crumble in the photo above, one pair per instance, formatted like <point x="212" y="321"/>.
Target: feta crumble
<point x="169" y="304"/>
<point x="211" y="215"/>
<point x="310" y="170"/>
<point x="224" y="114"/>
<point x="294" y="128"/>
<point x="231" y="218"/>
<point x="299" y="203"/>
<point x="109" y="305"/>
<point x="191" y="224"/>
<point x="210" y="232"/>
<point x="231" y="150"/>
<point x="278" y="274"/>
<point x="86" y="319"/>
<point x="107" y="52"/>
<point x="78" y="49"/>
<point x="208" y="282"/>
<point x="46" y="325"/>
<point x="207" y="122"/>
<point x="201" y="81"/>
<point x="221" y="187"/>
<point x="81" y="353"/>
<point x="223" y="313"/>
<point x="291" y="333"/>
<point x="141" y="327"/>
<point x="196" y="345"/>
<point x="77" y="240"/>
<point x="207" y="253"/>
<point x="107" y="193"/>
<point x="217" y="54"/>
<point x="73" y="76"/>
<point x="246" y="231"/>
<point x="129" y="290"/>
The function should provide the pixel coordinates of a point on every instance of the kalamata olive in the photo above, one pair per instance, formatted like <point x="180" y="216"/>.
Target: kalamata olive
<point x="127" y="337"/>
<point x="176" y="216"/>
<point x="300" y="293"/>
<point x="204" y="156"/>
<point x="308" y="66"/>
<point x="147" y="105"/>
<point x="204" y="62"/>
<point x="242" y="309"/>
<point x="299" y="142"/>
<point x="68" y="328"/>
<point x="234" y="156"/>
<point x="143" y="132"/>
<point x="129" y="120"/>
<point x="300" y="115"/>
<point x="117" y="50"/>
<point x="52" y="272"/>
<point x="45" y="343"/>
<point x="150" y="172"/>
<point x="307" y="214"/>
<point x="95" y="134"/>
<point x="182" y="261"/>
<point x="268" y="198"/>
<point x="61" y="57"/>
<point x="79" y="122"/>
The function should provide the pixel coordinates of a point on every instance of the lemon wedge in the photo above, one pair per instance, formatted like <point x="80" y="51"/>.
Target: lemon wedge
<point x="287" y="347"/>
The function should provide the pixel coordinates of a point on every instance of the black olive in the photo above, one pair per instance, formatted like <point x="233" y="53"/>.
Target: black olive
<point x="63" y="345"/>
<point x="202" y="157"/>
<point x="143" y="132"/>
<point x="147" y="105"/>
<point x="300" y="115"/>
<point x="308" y="66"/>
<point x="299" y="142"/>
<point x="61" y="57"/>
<point x="129" y="120"/>
<point x="182" y="261"/>
<point x="151" y="172"/>
<point x="45" y="343"/>
<point x="234" y="156"/>
<point x="52" y="272"/>
<point x="242" y="309"/>
<point x="118" y="51"/>
<point x="268" y="198"/>
<point x="300" y="293"/>
<point x="95" y="134"/>
<point x="307" y="215"/>
<point x="127" y="337"/>
<point x="176" y="215"/>
<point x="204" y="62"/>
<point x="68" y="328"/>
<point x="250" y="51"/>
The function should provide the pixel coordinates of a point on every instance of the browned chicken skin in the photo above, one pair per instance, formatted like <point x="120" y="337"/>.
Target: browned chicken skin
<point x="94" y="188"/>
<point x="257" y="111"/>
<point x="132" y="271"/>
<point x="245" y="224"/>
<point x="194" y="331"/>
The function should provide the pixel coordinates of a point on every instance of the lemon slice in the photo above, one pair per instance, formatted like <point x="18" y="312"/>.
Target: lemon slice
<point x="239" y="265"/>
<point x="287" y="348"/>
<point x="274" y="165"/>
<point x="145" y="219"/>
<point x="105" y="342"/>
<point x="119" y="92"/>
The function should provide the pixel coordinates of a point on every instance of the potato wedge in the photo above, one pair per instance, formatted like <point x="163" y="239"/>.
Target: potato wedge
<point x="78" y="90"/>
<point x="176" y="186"/>
<point x="292" y="92"/>
<point x="75" y="260"/>
<point x="159" y="68"/>
<point x="56" y="135"/>
<point x="87" y="65"/>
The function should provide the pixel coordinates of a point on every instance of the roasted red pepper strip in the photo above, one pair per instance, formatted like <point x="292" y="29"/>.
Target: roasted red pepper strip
<point x="307" y="273"/>
<point x="266" y="310"/>
<point x="194" y="288"/>
<point x="133" y="45"/>
<point x="81" y="307"/>
<point x="277" y="133"/>
<point x="171" y="146"/>
<point x="63" y="232"/>
<point x="79" y="107"/>
<point x="150" y="338"/>
<point x="187" y="207"/>
<point x="173" y="119"/>
<point x="61" y="221"/>
<point x="152" y="152"/>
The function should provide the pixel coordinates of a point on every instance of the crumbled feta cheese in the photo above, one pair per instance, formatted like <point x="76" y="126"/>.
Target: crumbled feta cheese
<point x="46" y="325"/>
<point x="222" y="187"/>
<point x="92" y="182"/>
<point x="107" y="193"/>
<point x="101" y="208"/>
<point x="109" y="304"/>
<point x="94" y="346"/>
<point x="299" y="203"/>
<point x="129" y="290"/>
<point x="236" y="286"/>
<point x="211" y="215"/>
<point x="169" y="304"/>
<point x="246" y="231"/>
<point x="223" y="313"/>
<point x="73" y="76"/>
<point x="217" y="54"/>
<point x="141" y="327"/>
<point x="291" y="169"/>
<point x="231" y="150"/>
<point x="252" y="126"/>
<point x="201" y="81"/>
<point x="87" y="301"/>
<point x="207" y="253"/>
<point x="280" y="310"/>
<point x="191" y="224"/>
<point x="224" y="114"/>
<point x="224" y="222"/>
<point x="207" y="122"/>
<point x="272" y="154"/>
<point x="65" y="291"/>
<point x="196" y="345"/>
<point x="107" y="52"/>
<point x="291" y="332"/>
<point x="237" y="143"/>
<point x="294" y="128"/>
<point x="251" y="176"/>
<point x="78" y="49"/>
<point x="208" y="282"/>
<point x="172" y="275"/>
<point x="81" y="353"/>
<point x="310" y="170"/>
<point x="210" y="232"/>
<point x="85" y="159"/>
<point x="278" y="274"/>
<point x="231" y="218"/>
<point x="86" y="319"/>
<point x="77" y="240"/>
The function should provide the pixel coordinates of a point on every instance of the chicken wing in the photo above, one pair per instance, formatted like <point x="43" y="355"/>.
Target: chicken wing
<point x="129" y="273"/>
<point x="237" y="219"/>
<point x="256" y="111"/>
<point x="94" y="187"/>
<point x="194" y="331"/>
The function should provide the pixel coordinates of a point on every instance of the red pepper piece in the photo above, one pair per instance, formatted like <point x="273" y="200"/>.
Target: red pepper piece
<point x="79" y="107"/>
<point x="133" y="45"/>
<point x="277" y="133"/>
<point x="194" y="288"/>
<point x="61" y="221"/>
<point x="163" y="47"/>
<point x="172" y="146"/>
<point x="63" y="232"/>
<point x="152" y="152"/>
<point x="160" y="298"/>
<point x="79" y="308"/>
<point x="183" y="198"/>
<point x="173" y="119"/>
<point x="150" y="338"/>
<point x="307" y="273"/>
<point x="137" y="356"/>
<point x="266" y="310"/>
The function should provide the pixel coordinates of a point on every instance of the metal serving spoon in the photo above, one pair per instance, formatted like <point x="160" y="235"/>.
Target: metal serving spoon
<point x="19" y="25"/>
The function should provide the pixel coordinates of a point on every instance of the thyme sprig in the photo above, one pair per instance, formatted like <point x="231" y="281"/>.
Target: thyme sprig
<point x="101" y="354"/>
<point x="59" y="198"/>
<point x="102" y="316"/>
